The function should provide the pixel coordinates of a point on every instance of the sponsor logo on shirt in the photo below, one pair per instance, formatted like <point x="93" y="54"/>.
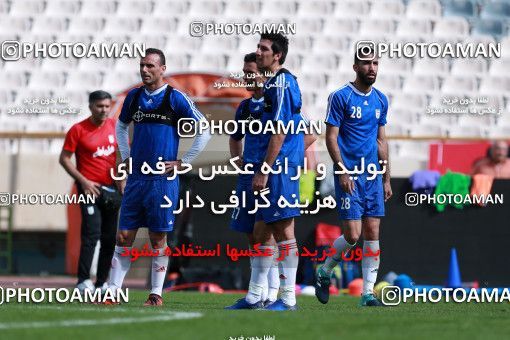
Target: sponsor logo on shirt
<point x="104" y="151"/>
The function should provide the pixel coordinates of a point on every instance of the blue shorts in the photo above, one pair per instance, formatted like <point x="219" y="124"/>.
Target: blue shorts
<point x="241" y="220"/>
<point x="280" y="185"/>
<point x="141" y="205"/>
<point x="367" y="200"/>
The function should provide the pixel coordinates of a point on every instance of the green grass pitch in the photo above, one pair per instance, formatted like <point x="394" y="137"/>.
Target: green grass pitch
<point x="187" y="315"/>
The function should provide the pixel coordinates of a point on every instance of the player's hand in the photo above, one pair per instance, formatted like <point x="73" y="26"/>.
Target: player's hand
<point x="90" y="188"/>
<point x="387" y="190"/>
<point x="171" y="165"/>
<point x="240" y="162"/>
<point x="259" y="181"/>
<point x="347" y="184"/>
<point x="121" y="185"/>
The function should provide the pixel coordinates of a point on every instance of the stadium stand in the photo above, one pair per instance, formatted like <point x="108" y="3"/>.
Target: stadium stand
<point x="321" y="55"/>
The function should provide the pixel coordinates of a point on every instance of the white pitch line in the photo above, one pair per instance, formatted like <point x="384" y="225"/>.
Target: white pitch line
<point x="108" y="309"/>
<point x="112" y="321"/>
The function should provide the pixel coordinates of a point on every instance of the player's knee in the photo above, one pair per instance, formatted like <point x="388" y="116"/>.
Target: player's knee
<point x="371" y="235"/>
<point x="351" y="237"/>
<point x="158" y="241"/>
<point x="123" y="239"/>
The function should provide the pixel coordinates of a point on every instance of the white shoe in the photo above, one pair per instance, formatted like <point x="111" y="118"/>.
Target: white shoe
<point x="86" y="285"/>
<point x="103" y="288"/>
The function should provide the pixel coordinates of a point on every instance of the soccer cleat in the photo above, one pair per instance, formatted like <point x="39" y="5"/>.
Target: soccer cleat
<point x="267" y="303"/>
<point x="369" y="300"/>
<point x="109" y="302"/>
<point x="243" y="304"/>
<point x="279" y="305"/>
<point x="86" y="285"/>
<point x="103" y="288"/>
<point x="153" y="300"/>
<point x="322" y="286"/>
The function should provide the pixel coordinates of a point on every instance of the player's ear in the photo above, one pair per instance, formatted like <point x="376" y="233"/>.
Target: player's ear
<point x="163" y="68"/>
<point x="278" y="56"/>
<point x="355" y="67"/>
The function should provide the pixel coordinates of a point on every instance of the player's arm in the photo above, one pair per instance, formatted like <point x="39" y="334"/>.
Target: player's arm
<point x="281" y="107"/>
<point x="89" y="187"/>
<point x="309" y="140"/>
<point x="235" y="141"/>
<point x="69" y="148"/>
<point x="236" y="150"/>
<point x="383" y="154"/>
<point x="332" y="131"/>
<point x="122" y="135"/>
<point x="334" y="119"/>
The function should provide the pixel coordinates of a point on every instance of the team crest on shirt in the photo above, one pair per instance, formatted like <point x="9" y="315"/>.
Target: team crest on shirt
<point x="111" y="139"/>
<point x="138" y="116"/>
<point x="377" y="113"/>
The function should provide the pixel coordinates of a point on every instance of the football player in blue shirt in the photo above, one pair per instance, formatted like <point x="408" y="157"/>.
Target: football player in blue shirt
<point x="282" y="104"/>
<point x="248" y="110"/>
<point x="255" y="148"/>
<point x="355" y="120"/>
<point x="155" y="110"/>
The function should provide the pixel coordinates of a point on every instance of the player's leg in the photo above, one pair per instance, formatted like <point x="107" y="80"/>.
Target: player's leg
<point x="108" y="231"/>
<point x="131" y="218"/>
<point x="273" y="277"/>
<point x="260" y="266"/>
<point x="370" y="264"/>
<point x="90" y="233"/>
<point x="251" y="243"/>
<point x="350" y="210"/>
<point x="351" y="230"/>
<point x="374" y="200"/>
<point x="281" y="221"/>
<point x="158" y="269"/>
<point x="270" y="291"/>
<point x="121" y="263"/>
<point x="289" y="259"/>
<point x="244" y="222"/>
<point x="160" y="221"/>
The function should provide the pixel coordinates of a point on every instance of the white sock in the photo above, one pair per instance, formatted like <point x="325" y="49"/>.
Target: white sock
<point x="258" y="280"/>
<point x="264" y="293"/>
<point x="340" y="245"/>
<point x="273" y="279"/>
<point x="120" y="267"/>
<point x="288" y="269"/>
<point x="370" y="266"/>
<point x="158" y="273"/>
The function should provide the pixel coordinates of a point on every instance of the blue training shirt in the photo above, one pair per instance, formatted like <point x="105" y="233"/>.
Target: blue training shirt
<point x="152" y="138"/>
<point x="282" y="98"/>
<point x="358" y="116"/>
<point x="250" y="109"/>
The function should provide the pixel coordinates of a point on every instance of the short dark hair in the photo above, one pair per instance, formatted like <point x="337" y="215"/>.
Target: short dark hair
<point x="98" y="95"/>
<point x="280" y="44"/>
<point x="365" y="50"/>
<point x="160" y="53"/>
<point x="250" y="57"/>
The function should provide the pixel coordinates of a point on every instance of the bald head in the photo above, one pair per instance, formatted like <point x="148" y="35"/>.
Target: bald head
<point x="499" y="151"/>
